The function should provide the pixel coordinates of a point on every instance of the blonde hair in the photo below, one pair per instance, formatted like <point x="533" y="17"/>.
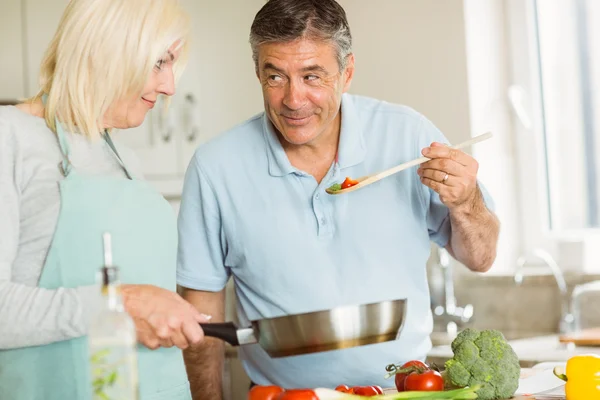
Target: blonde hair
<point x="104" y="51"/>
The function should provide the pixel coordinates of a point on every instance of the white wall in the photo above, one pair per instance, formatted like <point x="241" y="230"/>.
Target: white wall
<point x="413" y="52"/>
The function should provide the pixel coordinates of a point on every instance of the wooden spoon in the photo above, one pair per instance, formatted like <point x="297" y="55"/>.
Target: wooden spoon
<point x="367" y="180"/>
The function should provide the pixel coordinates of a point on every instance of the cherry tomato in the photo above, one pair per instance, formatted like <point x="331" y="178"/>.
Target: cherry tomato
<point x="264" y="392"/>
<point x="297" y="394"/>
<point x="400" y="377"/>
<point x="365" y="390"/>
<point x="348" y="183"/>
<point x="427" y="381"/>
<point x="344" y="389"/>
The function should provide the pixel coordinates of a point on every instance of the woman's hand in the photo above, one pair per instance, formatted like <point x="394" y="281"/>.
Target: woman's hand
<point x="162" y="318"/>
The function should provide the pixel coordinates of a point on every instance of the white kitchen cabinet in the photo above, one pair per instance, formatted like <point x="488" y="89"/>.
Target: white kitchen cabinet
<point x="11" y="51"/>
<point x="220" y="73"/>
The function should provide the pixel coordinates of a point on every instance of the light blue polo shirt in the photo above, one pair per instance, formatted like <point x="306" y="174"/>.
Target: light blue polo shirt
<point x="247" y="213"/>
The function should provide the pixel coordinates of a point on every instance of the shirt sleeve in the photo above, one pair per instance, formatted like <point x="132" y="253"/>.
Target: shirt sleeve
<point x="31" y="316"/>
<point x="201" y="252"/>
<point x="438" y="218"/>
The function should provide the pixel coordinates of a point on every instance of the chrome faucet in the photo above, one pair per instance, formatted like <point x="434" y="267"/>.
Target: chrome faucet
<point x="449" y="312"/>
<point x="578" y="291"/>
<point x="523" y="264"/>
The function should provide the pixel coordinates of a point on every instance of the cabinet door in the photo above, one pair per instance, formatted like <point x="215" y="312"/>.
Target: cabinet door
<point x="220" y="74"/>
<point x="11" y="51"/>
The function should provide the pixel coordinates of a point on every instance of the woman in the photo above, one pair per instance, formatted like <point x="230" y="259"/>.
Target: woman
<point x="63" y="183"/>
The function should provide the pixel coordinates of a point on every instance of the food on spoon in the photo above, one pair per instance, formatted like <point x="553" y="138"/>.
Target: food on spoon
<point x="483" y="358"/>
<point x="348" y="182"/>
<point x="335" y="187"/>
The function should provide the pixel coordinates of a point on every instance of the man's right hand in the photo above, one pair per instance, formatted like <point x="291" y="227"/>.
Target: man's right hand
<point x="162" y="318"/>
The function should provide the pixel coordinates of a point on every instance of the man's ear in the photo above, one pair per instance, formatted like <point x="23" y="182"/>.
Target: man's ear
<point x="348" y="71"/>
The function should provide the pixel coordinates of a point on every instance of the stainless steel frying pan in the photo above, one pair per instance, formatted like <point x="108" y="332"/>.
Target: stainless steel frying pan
<point x="319" y="331"/>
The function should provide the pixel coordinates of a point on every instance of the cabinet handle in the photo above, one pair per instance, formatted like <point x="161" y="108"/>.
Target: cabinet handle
<point x="191" y="117"/>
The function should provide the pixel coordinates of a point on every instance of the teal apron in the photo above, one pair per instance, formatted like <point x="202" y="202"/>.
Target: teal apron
<point x="144" y="236"/>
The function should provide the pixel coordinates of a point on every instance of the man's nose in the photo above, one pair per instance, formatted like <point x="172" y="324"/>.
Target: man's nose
<point x="294" y="97"/>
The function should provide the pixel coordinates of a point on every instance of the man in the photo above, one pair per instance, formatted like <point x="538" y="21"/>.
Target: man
<point x="254" y="207"/>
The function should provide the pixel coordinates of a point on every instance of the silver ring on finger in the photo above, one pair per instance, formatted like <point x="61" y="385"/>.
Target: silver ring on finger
<point x="445" y="178"/>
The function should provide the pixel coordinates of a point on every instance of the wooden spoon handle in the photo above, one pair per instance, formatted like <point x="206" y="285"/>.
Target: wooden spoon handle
<point x="421" y="160"/>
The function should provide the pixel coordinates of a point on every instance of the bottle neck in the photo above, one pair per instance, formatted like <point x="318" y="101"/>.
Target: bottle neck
<point x="112" y="296"/>
<point x="111" y="288"/>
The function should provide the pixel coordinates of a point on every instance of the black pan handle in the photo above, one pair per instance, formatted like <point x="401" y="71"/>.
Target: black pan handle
<point x="226" y="331"/>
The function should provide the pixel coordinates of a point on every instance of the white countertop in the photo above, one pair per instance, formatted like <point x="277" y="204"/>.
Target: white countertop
<point x="530" y="351"/>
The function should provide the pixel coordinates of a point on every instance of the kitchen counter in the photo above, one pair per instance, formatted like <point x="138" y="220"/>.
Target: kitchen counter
<point x="530" y="351"/>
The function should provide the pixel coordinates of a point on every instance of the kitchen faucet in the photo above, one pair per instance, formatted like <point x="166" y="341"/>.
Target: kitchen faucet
<point x="578" y="291"/>
<point x="523" y="264"/>
<point x="449" y="312"/>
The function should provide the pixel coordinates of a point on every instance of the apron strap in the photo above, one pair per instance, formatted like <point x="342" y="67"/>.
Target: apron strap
<point x="114" y="149"/>
<point x="64" y="148"/>
<point x="62" y="142"/>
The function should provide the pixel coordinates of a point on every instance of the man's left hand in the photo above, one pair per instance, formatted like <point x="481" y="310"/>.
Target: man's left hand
<point x="451" y="173"/>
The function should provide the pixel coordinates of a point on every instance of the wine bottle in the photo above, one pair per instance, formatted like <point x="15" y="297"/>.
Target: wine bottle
<point x="112" y="339"/>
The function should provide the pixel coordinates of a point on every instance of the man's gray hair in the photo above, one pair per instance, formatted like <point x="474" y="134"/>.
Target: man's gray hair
<point x="289" y="20"/>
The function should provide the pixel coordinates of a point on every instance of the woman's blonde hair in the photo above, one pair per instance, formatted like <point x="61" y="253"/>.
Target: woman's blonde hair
<point x="104" y="51"/>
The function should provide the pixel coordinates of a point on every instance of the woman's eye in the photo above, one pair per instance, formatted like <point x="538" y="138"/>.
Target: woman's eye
<point x="159" y="64"/>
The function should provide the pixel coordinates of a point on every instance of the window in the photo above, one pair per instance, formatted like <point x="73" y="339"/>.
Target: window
<point x="560" y="45"/>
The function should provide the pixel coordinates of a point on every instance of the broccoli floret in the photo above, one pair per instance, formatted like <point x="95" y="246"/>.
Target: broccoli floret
<point x="467" y="353"/>
<point x="457" y="373"/>
<point x="484" y="358"/>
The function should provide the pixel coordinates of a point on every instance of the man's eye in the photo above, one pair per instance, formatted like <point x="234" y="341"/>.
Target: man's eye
<point x="274" y="78"/>
<point x="312" y="77"/>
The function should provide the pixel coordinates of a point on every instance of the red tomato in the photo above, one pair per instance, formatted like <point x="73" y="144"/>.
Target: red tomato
<point x="297" y="394"/>
<point x="427" y="381"/>
<point x="379" y="389"/>
<point x="348" y="183"/>
<point x="365" y="390"/>
<point x="264" y="392"/>
<point x="344" y="389"/>
<point x="400" y="377"/>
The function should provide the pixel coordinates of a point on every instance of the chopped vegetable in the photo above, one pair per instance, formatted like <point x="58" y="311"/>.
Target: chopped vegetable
<point x="349" y="183"/>
<point x="582" y="377"/>
<point x="335" y="187"/>
<point x="483" y="358"/>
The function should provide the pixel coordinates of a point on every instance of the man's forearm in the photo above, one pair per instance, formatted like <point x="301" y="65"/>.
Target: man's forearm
<point x="204" y="365"/>
<point x="204" y="362"/>
<point x="474" y="235"/>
